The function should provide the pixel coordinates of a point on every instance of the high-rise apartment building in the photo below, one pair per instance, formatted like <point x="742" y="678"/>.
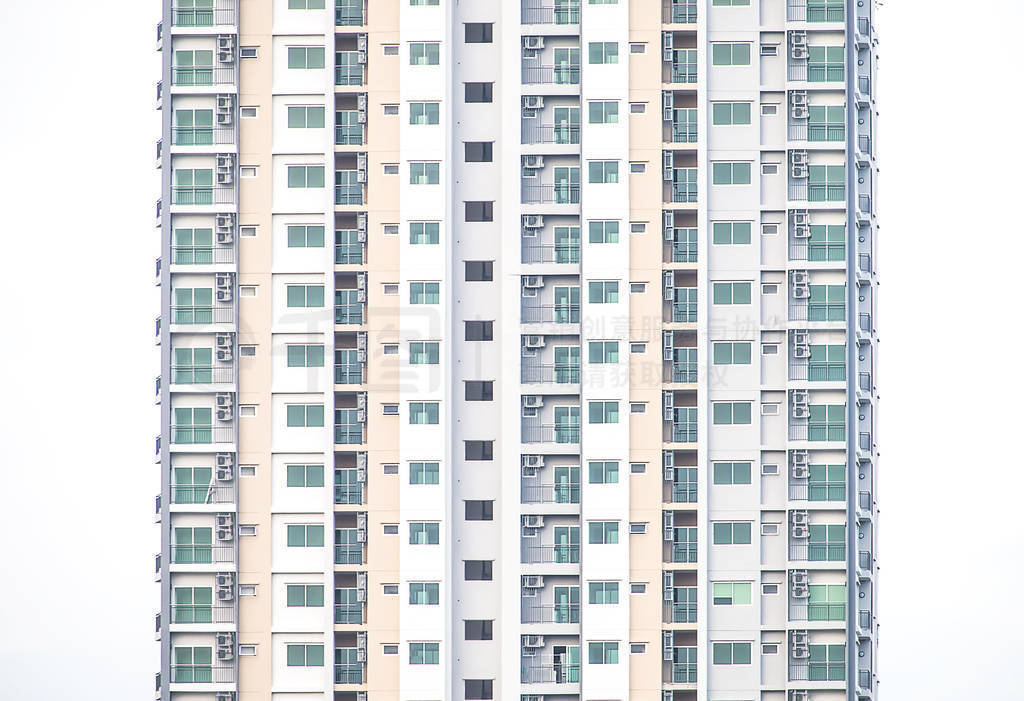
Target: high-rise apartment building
<point x="517" y="350"/>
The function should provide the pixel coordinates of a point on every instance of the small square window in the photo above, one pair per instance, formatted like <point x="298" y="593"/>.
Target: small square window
<point x="637" y="528"/>
<point x="637" y="107"/>
<point x="637" y="648"/>
<point x="637" y="48"/>
<point x="390" y="528"/>
<point x="769" y="349"/>
<point x="390" y="168"/>
<point x="769" y="229"/>
<point x="247" y="231"/>
<point x="391" y="229"/>
<point x="390" y="468"/>
<point x="769" y="529"/>
<point x="389" y="589"/>
<point x="769" y="410"/>
<point x="769" y="288"/>
<point x="769" y="589"/>
<point x="638" y="408"/>
<point x="769" y="469"/>
<point x="248" y="52"/>
<point x="247" y="291"/>
<point x="637" y="348"/>
<point x="247" y="470"/>
<point x="247" y="411"/>
<point x="770" y="649"/>
<point x="638" y="227"/>
<point x="769" y="49"/>
<point x="769" y="109"/>
<point x="389" y="409"/>
<point x="246" y="650"/>
<point x="247" y="590"/>
<point x="637" y="167"/>
<point x="637" y="288"/>
<point x="390" y="110"/>
<point x="769" y="169"/>
<point x="638" y="468"/>
<point x="247" y="351"/>
<point x="638" y="587"/>
<point x="390" y="288"/>
<point x="390" y="349"/>
<point x="389" y="649"/>
<point x="390" y="49"/>
<point x="248" y="112"/>
<point x="247" y="171"/>
<point x="246" y="529"/>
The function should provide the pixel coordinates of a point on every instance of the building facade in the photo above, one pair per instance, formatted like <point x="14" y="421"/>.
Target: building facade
<point x="517" y="350"/>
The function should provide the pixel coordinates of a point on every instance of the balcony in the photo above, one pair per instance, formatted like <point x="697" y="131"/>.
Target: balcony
<point x="555" y="373"/>
<point x="684" y="605"/>
<point x="187" y="315"/>
<point x="555" y="671"/>
<point x="348" y="307"/>
<point x="349" y="426"/>
<point x="201" y="196"/>
<point x="684" y="665"/>
<point x="817" y="132"/>
<point x="200" y="375"/>
<point x="554" y="613"/>
<point x="819" y="611"/>
<point x="684" y="365"/>
<point x="201" y="136"/>
<point x="550" y="313"/>
<point x="679" y="12"/>
<point x="348" y="69"/>
<point x="684" y="66"/>
<point x="561" y="493"/>
<point x="201" y="76"/>
<point x="348" y="669"/>
<point x="201" y="494"/>
<point x="684" y="552"/>
<point x="202" y="613"/>
<point x="201" y="554"/>
<point x="684" y="126"/>
<point x="562" y="13"/>
<point x="818" y="671"/>
<point x="550" y="433"/>
<point x="202" y="255"/>
<point x="551" y="194"/>
<point x="347" y="487"/>
<point x="348" y="187"/>
<point x="562" y="74"/>
<point x="684" y="185"/>
<point x="202" y="13"/>
<point x="817" y="552"/>
<point x="818" y="431"/>
<point x="348" y="132"/>
<point x="348" y="609"/>
<point x="348" y="370"/>
<point x="567" y="253"/>
<point x="815" y="11"/>
<point x="348" y="553"/>
<point x="684" y="486"/>
<point x="818" y="491"/>
<point x="349" y="13"/>
<point x="201" y="435"/>
<point x="550" y="554"/>
<point x="201" y="674"/>
<point x="562" y="134"/>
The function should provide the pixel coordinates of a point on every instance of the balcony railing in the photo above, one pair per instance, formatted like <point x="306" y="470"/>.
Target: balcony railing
<point x="349" y="73"/>
<point x="557" y="373"/>
<point x="550" y="493"/>
<point x="685" y="192"/>
<point x="202" y="76"/>
<point x="551" y="194"/>
<point x="806" y="611"/>
<point x="348" y="134"/>
<point x="684" y="371"/>
<point x="348" y="434"/>
<point x="550" y="433"/>
<point x="817" y="432"/>
<point x="349" y="13"/>
<point x="201" y="494"/>
<point x="685" y="71"/>
<point x="550" y="313"/>
<point x="202" y="196"/>
<point x="684" y="552"/>
<point x="201" y="554"/>
<point x="202" y="255"/>
<point x="350" y="673"/>
<point x="533" y="13"/>
<point x="556" y="554"/>
<point x="201" y="674"/>
<point x="557" y="253"/>
<point x="194" y="375"/>
<point x="348" y="194"/>
<point x="181" y="613"/>
<point x="684" y="492"/>
<point x="347" y="608"/>
<point x="347" y="308"/>
<point x="679" y="12"/>
<point x="202" y="315"/>
<point x="201" y="136"/>
<point x="817" y="671"/>
<point x="556" y="613"/>
<point x="812" y="11"/>
<point x="199" y="435"/>
<point x="348" y="494"/>
<point x="684" y="672"/>
<point x="818" y="491"/>
<point x="817" y="132"/>
<point x="551" y="75"/>
<point x="348" y="554"/>
<point x="348" y="373"/>
<point x="552" y="134"/>
<point x="817" y="552"/>
<point x="551" y="673"/>
<point x="202" y="16"/>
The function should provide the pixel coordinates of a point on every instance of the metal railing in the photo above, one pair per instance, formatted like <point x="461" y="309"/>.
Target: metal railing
<point x="679" y="12"/>
<point x="552" y="673"/>
<point x="683" y="72"/>
<point x="551" y="75"/>
<point x="684" y="492"/>
<point x="202" y="77"/>
<point x="201" y="554"/>
<point x="201" y="196"/>
<point x="684" y="133"/>
<point x="864" y="679"/>
<point x="558" y="373"/>
<point x="817" y="432"/>
<point x="349" y="612"/>
<point x="349" y="194"/>
<point x="818" y="491"/>
<point x="552" y="313"/>
<point x="684" y="312"/>
<point x="201" y="494"/>
<point x="192" y="375"/>
<point x="806" y="611"/>
<point x="350" y="253"/>
<point x="202" y="255"/>
<point x="684" y="552"/>
<point x="201" y="136"/>
<point x="798" y="11"/>
<point x="349" y="14"/>
<point x="348" y="554"/>
<point x="201" y="16"/>
<point x="684" y="252"/>
<point x="542" y="14"/>
<point x="684" y="672"/>
<point x="201" y="674"/>
<point x="348" y="434"/>
<point x="817" y="671"/>
<point x="684" y="372"/>
<point x="350" y="74"/>
<point x="348" y="374"/>
<point x="192" y="613"/>
<point x="550" y="433"/>
<point x="684" y="613"/>
<point x="825" y="72"/>
<point x="201" y="435"/>
<point x="552" y="134"/>
<point x="349" y="313"/>
<point x="349" y="134"/>
<point x="556" y="554"/>
<point x="818" y="252"/>
<point x="568" y="253"/>
<point x="536" y="493"/>
<point x="684" y="192"/>
<point x="551" y="194"/>
<point x="348" y="493"/>
<point x="552" y="613"/>
<point x="817" y="552"/>
<point x="202" y="315"/>
<point x="348" y="673"/>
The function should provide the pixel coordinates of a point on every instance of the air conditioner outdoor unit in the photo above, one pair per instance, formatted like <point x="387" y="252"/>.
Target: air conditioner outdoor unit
<point x="532" y="401"/>
<point x="801" y="291"/>
<point x="533" y="341"/>
<point x="225" y="646"/>
<point x="533" y="461"/>
<point x="533" y="581"/>
<point x="800" y="472"/>
<point x="803" y="337"/>
<point x="799" y="518"/>
<point x="533" y="641"/>
<point x="798" y="97"/>
<point x="799" y="584"/>
<point x="533" y="102"/>
<point x="533" y="521"/>
<point x="801" y="351"/>
<point x="800" y="396"/>
<point x="800" y="651"/>
<point x="533" y="281"/>
<point x="533" y="221"/>
<point x="800" y="411"/>
<point x="533" y="162"/>
<point x="799" y="112"/>
<point x="799" y="696"/>
<point x="801" y="231"/>
<point x="225" y="696"/>
<point x="798" y="170"/>
<point x="533" y="42"/>
<point x="798" y="157"/>
<point x="800" y="216"/>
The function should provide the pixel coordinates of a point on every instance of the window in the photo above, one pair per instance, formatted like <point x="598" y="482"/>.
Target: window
<point x="723" y="3"/>
<point x="637" y="348"/>
<point x="423" y="113"/>
<point x="479" y="151"/>
<point x="603" y="532"/>
<point x="424" y="293"/>
<point x="424" y="533"/>
<point x="424" y="412"/>
<point x="303" y="4"/>
<point x="479" y="630"/>
<point x="768" y="110"/>
<point x="603" y="412"/>
<point x="424" y="352"/>
<point x="305" y="594"/>
<point x="730" y="533"/>
<point x="424" y="473"/>
<point x="769" y="288"/>
<point x="247" y="231"/>
<point x="479" y="450"/>
<point x="638" y="587"/>
<point x="726" y="233"/>
<point x="389" y="589"/>
<point x="730" y="653"/>
<point x="637" y="167"/>
<point x="389" y="649"/>
<point x="769" y="588"/>
<point x="305" y="176"/>
<point x="389" y="288"/>
<point x="305" y="415"/>
<point x="730" y="113"/>
<point x="604" y="111"/>
<point x="305" y="356"/>
<point x="769" y="469"/>
<point x="390" y="110"/>
<point x="478" y="570"/>
<point x="826" y="183"/>
<point x="305" y="57"/>
<point x="476" y="689"/>
<point x="730" y="473"/>
<point x="247" y="470"/>
<point x="247" y="410"/>
<point x="479" y="390"/>
<point x="603" y="292"/>
<point x="603" y="172"/>
<point x="305" y="117"/>
<point x="192" y="664"/>
<point x="726" y="413"/>
<point x="730" y="54"/>
<point x="603" y="231"/>
<point x="726" y="173"/>
<point x="638" y="407"/>
<point x="637" y="528"/>
<point x="769" y="349"/>
<point x="305" y="655"/>
<point x="479" y="270"/>
<point x="424" y="593"/>
<point x="637" y="107"/>
<point x="424" y="233"/>
<point x="424" y="653"/>
<point x="730" y="352"/>
<point x="305" y="295"/>
<point x="479" y="211"/>
<point x="479" y="32"/>
<point x="603" y="592"/>
<point x="305" y="475"/>
<point x="730" y="293"/>
<point x="603" y="52"/>
<point x="389" y="168"/>
<point x="827" y="242"/>
<point x="770" y="169"/>
<point x="424" y="53"/>
<point x="247" y="171"/>
<point x="638" y="227"/>
<point x="479" y="330"/>
<point x="307" y="535"/>
<point x="479" y="92"/>
<point x="730" y="593"/>
<point x="637" y="48"/>
<point x="248" y="112"/>
<point x="305" y="236"/>
<point x="390" y="49"/>
<point x="603" y="351"/>
<point x="769" y="529"/>
<point x="603" y="653"/>
<point x="603" y="471"/>
<point x="479" y="510"/>
<point x="421" y="173"/>
<point x="423" y="2"/>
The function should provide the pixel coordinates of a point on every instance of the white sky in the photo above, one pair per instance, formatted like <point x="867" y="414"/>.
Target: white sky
<point x="77" y="193"/>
